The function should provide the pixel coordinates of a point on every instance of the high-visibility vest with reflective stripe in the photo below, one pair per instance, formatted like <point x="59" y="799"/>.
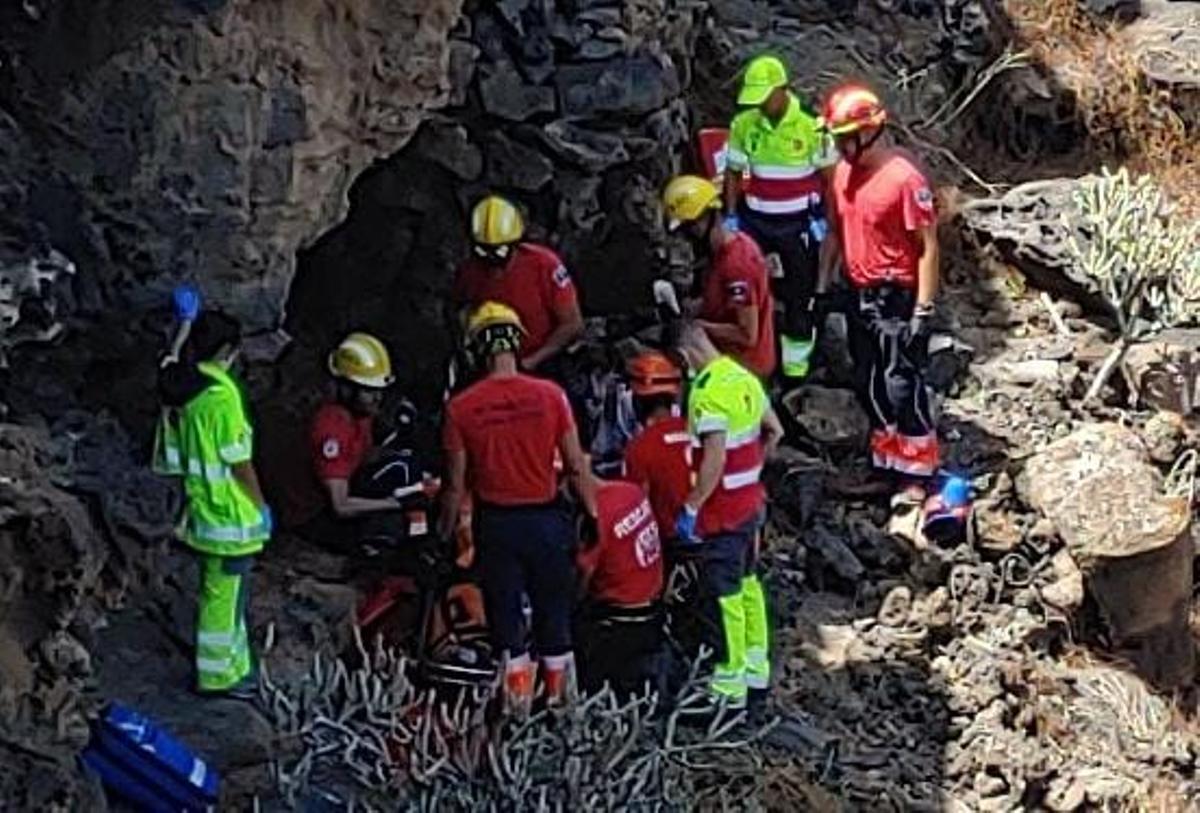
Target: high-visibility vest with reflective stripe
<point x="726" y="397"/>
<point x="784" y="158"/>
<point x="202" y="442"/>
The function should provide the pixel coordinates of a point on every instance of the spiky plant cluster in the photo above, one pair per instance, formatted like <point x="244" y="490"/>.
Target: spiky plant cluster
<point x="1145" y="263"/>
<point x="357" y="733"/>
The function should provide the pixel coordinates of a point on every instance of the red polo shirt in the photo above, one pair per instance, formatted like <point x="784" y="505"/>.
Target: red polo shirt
<point x="338" y="441"/>
<point x="510" y="429"/>
<point x="624" y="567"/>
<point x="738" y="279"/>
<point x="534" y="283"/>
<point x="879" y="210"/>
<point x="659" y="460"/>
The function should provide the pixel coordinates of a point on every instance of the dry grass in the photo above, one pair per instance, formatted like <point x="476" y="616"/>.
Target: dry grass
<point x="1130" y="118"/>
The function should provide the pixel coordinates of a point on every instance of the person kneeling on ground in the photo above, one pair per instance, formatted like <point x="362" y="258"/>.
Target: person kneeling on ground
<point x="620" y="628"/>
<point x="501" y="436"/>
<point x="365" y="481"/>
<point x="206" y="438"/>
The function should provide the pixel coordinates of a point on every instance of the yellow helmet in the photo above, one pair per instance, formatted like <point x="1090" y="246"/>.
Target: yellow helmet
<point x="495" y="328"/>
<point x="687" y="197"/>
<point x="491" y="314"/>
<point x="496" y="222"/>
<point x="363" y="359"/>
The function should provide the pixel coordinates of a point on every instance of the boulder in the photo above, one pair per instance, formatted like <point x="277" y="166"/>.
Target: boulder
<point x="505" y="94"/>
<point x="1164" y="372"/>
<point x="513" y="164"/>
<point x="634" y="85"/>
<point x="1025" y="224"/>
<point x="1135" y="554"/>
<point x="1165" y="41"/>
<point x="831" y="416"/>
<point x="450" y="147"/>
<point x="588" y="149"/>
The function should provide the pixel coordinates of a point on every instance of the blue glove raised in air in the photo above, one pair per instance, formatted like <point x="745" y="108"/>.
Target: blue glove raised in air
<point x="186" y="301"/>
<point x="685" y="526"/>
<point x="731" y="223"/>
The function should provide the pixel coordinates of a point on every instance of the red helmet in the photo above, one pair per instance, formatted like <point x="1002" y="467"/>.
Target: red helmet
<point x="851" y="108"/>
<point x="652" y="373"/>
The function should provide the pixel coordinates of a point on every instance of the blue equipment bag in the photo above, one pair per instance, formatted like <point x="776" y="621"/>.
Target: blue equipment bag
<point x="147" y="767"/>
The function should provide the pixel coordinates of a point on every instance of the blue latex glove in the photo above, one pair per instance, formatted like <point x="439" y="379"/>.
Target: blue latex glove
<point x="685" y="526"/>
<point x="818" y="227"/>
<point x="956" y="492"/>
<point x="731" y="223"/>
<point x="268" y="520"/>
<point x="186" y="301"/>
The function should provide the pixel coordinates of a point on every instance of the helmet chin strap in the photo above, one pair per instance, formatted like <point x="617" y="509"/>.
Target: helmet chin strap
<point x="860" y="145"/>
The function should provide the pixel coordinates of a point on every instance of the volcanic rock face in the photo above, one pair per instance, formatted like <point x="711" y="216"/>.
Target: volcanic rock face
<point x="209" y="140"/>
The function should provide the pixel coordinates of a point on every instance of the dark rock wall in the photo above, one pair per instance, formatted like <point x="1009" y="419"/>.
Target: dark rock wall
<point x="572" y="109"/>
<point x="209" y="140"/>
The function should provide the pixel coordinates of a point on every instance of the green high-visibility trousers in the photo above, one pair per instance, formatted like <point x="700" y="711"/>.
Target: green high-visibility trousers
<point x="223" y="657"/>
<point x="729" y="676"/>
<point x="754" y="607"/>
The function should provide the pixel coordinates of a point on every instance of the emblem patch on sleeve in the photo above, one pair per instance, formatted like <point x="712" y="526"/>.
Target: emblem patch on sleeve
<point x="924" y="197"/>
<point x="739" y="292"/>
<point x="562" y="277"/>
<point x="331" y="449"/>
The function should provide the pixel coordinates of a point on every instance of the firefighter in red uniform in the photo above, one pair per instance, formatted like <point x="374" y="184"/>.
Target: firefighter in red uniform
<point x="342" y="433"/>
<point x="501" y="436"/>
<point x="886" y="223"/>
<point x="620" y="564"/>
<point x="659" y="456"/>
<point x="737" y="309"/>
<point x="529" y="278"/>
<point x="379" y="487"/>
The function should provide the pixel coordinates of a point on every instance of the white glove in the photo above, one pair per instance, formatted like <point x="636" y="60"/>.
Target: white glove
<point x="664" y="296"/>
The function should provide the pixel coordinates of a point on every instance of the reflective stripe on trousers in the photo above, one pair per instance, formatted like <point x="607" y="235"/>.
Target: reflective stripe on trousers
<point x="795" y="355"/>
<point x="222" y="638"/>
<point x="745" y="629"/>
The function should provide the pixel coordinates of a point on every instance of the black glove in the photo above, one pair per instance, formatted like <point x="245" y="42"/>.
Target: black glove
<point x="824" y="304"/>
<point x="920" y="327"/>
<point x="434" y="565"/>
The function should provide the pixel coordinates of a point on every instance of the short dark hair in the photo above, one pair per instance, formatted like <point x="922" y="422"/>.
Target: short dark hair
<point x="212" y="331"/>
<point x="646" y="405"/>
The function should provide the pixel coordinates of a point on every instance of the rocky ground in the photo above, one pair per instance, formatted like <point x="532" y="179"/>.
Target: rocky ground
<point x="990" y="675"/>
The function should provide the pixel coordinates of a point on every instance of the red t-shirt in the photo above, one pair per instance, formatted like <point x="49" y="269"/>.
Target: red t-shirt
<point x="624" y="567"/>
<point x="339" y="441"/>
<point x="510" y="429"/>
<point x="878" y="210"/>
<point x="534" y="283"/>
<point x="659" y="460"/>
<point x="738" y="279"/>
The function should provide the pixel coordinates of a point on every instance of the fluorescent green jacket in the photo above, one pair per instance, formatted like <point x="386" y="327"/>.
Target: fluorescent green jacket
<point x="202" y="442"/>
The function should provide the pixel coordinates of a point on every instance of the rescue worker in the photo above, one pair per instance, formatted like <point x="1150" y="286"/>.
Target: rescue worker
<point x="529" y="278"/>
<point x="501" y="435"/>
<point x="206" y="438"/>
<point x="733" y="429"/>
<point x="886" y="237"/>
<point x="620" y="563"/>
<point x="342" y="435"/>
<point x="782" y="147"/>
<point x="659" y="457"/>
<point x="736" y="309"/>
